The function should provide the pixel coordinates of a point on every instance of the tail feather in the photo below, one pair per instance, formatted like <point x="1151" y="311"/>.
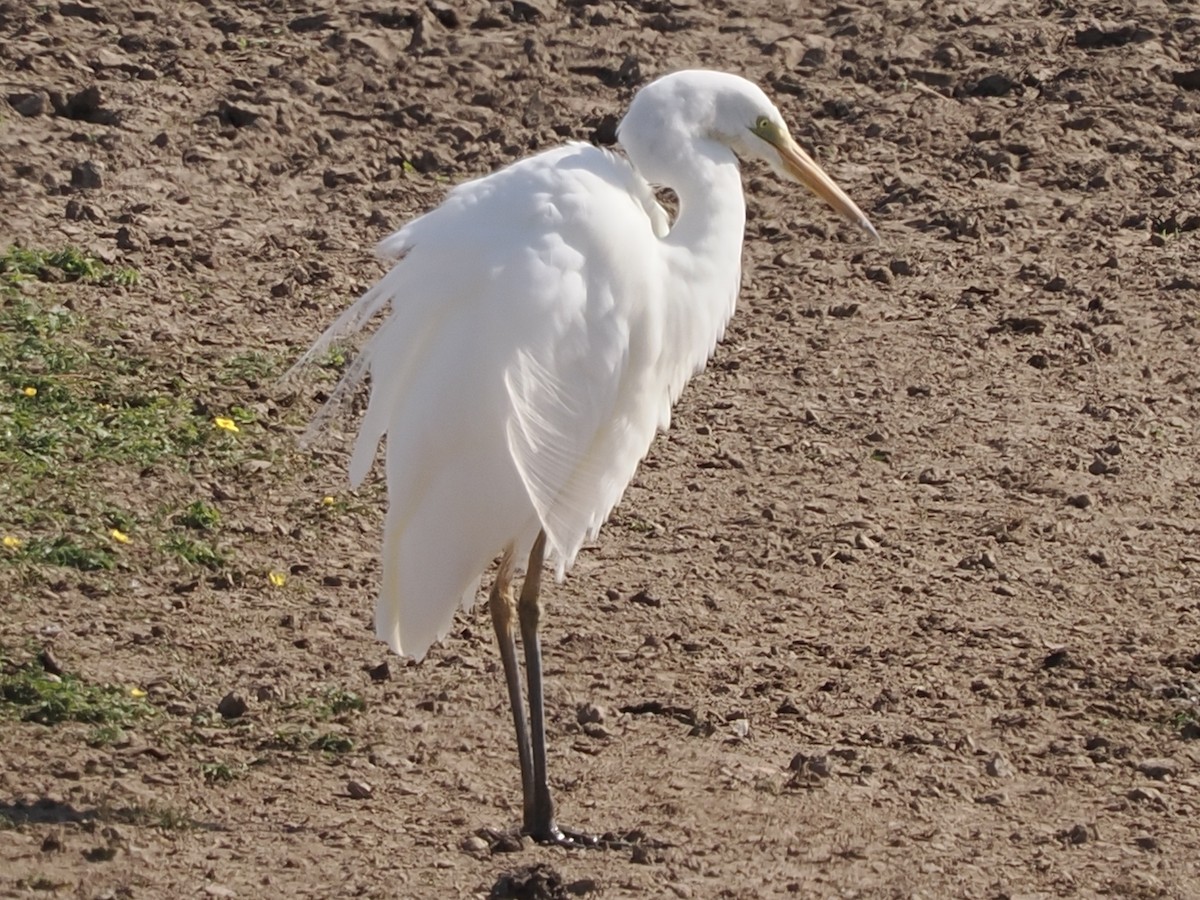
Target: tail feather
<point x="350" y="322"/>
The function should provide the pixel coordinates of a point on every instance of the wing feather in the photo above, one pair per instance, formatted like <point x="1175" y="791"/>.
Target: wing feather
<point x="516" y="377"/>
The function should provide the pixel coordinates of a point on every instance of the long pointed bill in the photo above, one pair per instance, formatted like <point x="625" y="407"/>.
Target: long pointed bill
<point x="805" y="170"/>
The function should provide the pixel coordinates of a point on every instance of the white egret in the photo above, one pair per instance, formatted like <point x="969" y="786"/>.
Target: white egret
<point x="543" y="321"/>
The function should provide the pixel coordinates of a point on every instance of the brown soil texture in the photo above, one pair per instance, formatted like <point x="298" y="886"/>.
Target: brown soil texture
<point x="906" y="604"/>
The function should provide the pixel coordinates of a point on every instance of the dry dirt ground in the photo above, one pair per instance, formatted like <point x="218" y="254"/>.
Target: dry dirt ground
<point x="907" y="604"/>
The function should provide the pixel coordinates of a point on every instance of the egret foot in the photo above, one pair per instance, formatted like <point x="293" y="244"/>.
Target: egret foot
<point x="566" y="837"/>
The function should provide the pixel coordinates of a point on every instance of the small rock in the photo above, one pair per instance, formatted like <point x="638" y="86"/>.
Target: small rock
<point x="359" y="790"/>
<point x="83" y="106"/>
<point x="381" y="672"/>
<point x="29" y="104"/>
<point x="644" y="598"/>
<point x="1079" y="501"/>
<point x="1158" y="769"/>
<point x="333" y="178"/>
<point x="1188" y="79"/>
<point x="1057" y="659"/>
<point x="1146" y="841"/>
<point x="128" y="239"/>
<point x="999" y="767"/>
<point x="587" y="713"/>
<point x="879" y="274"/>
<point x="88" y="11"/>
<point x="1145" y="795"/>
<point x="49" y="663"/>
<point x="239" y="115"/>
<point x="266" y="693"/>
<point x="817" y="765"/>
<point x="78" y="212"/>
<point x="232" y="706"/>
<point x="640" y="855"/>
<point x="1079" y="834"/>
<point x="219" y="890"/>
<point x="110" y="59"/>
<point x="87" y="175"/>
<point x="934" y="477"/>
<point x="741" y="728"/>
<point x="475" y="844"/>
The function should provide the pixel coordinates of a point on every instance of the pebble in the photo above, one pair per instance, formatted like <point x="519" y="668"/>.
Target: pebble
<point x="359" y="790"/>
<point x="1079" y="834"/>
<point x="87" y="175"/>
<point x="1158" y="769"/>
<point x="267" y="693"/>
<point x="232" y="706"/>
<point x="475" y="844"/>
<point x="29" y="104"/>
<point x="590" y="713"/>
<point x="1145" y="795"/>
<point x="999" y="767"/>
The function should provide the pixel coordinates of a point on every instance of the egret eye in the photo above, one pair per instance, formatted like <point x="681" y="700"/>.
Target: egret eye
<point x="762" y="125"/>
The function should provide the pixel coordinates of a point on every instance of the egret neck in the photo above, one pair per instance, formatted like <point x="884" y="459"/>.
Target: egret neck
<point x="703" y="254"/>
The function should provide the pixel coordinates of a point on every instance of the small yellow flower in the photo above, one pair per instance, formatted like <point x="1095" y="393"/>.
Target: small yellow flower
<point x="278" y="579"/>
<point x="30" y="391"/>
<point x="226" y="424"/>
<point x="137" y="692"/>
<point x="12" y="542"/>
<point x="327" y="501"/>
<point x="119" y="536"/>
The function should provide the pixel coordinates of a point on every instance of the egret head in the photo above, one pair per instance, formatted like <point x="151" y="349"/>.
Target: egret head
<point x="734" y="112"/>
<point x="770" y="140"/>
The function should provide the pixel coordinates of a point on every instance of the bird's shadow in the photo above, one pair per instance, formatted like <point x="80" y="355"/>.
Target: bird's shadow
<point x="47" y="811"/>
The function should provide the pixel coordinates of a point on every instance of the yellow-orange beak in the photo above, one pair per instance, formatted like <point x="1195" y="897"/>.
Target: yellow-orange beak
<point x="804" y="169"/>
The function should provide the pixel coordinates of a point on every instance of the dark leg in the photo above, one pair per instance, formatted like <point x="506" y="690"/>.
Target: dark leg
<point x="503" y="610"/>
<point x="539" y="808"/>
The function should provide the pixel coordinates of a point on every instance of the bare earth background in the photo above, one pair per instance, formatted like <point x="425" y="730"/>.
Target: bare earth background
<point x="907" y="604"/>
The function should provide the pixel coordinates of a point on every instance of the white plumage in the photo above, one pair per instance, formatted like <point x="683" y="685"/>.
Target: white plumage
<point x="543" y="320"/>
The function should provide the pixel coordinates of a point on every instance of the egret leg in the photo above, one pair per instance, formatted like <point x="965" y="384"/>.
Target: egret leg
<point x="503" y="610"/>
<point x="539" y="807"/>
